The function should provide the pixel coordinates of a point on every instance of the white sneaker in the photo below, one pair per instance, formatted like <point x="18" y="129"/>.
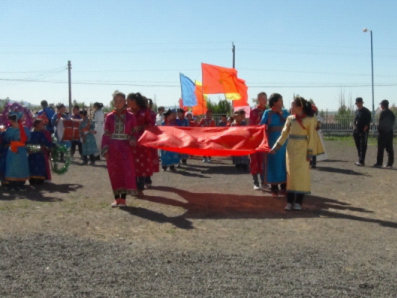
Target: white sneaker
<point x="209" y="160"/>
<point x="288" y="207"/>
<point x="256" y="187"/>
<point x="359" y="164"/>
<point x="204" y="160"/>
<point x="297" y="207"/>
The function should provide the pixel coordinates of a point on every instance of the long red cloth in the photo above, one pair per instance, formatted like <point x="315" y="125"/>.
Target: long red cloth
<point x="207" y="141"/>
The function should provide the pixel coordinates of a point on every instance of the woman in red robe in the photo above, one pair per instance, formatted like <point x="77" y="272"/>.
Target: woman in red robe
<point x="142" y="155"/>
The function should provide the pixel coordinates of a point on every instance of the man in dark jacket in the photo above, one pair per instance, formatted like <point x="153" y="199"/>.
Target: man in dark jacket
<point x="385" y="135"/>
<point x="361" y="128"/>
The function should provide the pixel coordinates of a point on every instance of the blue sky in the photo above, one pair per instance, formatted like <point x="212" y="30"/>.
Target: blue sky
<point x="313" y="48"/>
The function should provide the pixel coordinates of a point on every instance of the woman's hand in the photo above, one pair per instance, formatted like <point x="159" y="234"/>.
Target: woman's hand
<point x="272" y="151"/>
<point x="106" y="155"/>
<point x="308" y="159"/>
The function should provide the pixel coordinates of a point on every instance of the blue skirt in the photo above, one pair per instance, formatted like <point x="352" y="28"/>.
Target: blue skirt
<point x="169" y="158"/>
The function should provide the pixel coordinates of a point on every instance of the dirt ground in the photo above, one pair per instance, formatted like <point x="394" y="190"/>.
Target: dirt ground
<point x="206" y="233"/>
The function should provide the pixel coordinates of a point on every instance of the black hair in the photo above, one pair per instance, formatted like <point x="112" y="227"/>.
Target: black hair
<point x="160" y="109"/>
<point x="118" y="94"/>
<point x="84" y="112"/>
<point x="223" y="116"/>
<point x="306" y="105"/>
<point x="98" y="105"/>
<point x="12" y="117"/>
<point x="262" y="93"/>
<point x="140" y="100"/>
<point x="44" y="103"/>
<point x="275" y="97"/>
<point x="37" y="122"/>
<point x="76" y="107"/>
<point x="60" y="106"/>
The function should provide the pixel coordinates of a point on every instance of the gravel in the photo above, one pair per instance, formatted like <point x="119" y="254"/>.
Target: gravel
<point x="44" y="265"/>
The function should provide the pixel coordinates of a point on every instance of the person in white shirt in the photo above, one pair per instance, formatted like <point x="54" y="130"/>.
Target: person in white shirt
<point x="160" y="116"/>
<point x="99" y="119"/>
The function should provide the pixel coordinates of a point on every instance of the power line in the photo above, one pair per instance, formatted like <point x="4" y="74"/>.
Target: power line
<point x="264" y="85"/>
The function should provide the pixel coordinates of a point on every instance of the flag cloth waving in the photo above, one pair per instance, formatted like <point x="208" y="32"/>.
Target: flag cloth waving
<point x="217" y="79"/>
<point x="207" y="141"/>
<point x="188" y="88"/>
<point x="201" y="107"/>
<point x="243" y="92"/>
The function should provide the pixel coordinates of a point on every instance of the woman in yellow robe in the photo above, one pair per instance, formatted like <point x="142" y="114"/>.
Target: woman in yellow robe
<point x="303" y="144"/>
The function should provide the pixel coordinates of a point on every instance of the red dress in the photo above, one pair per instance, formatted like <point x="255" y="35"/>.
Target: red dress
<point x="257" y="163"/>
<point x="143" y="155"/>
<point x="155" y="153"/>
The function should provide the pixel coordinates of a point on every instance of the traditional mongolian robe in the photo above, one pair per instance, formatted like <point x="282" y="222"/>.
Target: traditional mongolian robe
<point x="142" y="154"/>
<point x="257" y="160"/>
<point x="183" y="122"/>
<point x="47" y="152"/>
<point x="169" y="158"/>
<point x="244" y="159"/>
<point x="3" y="154"/>
<point x="154" y="151"/>
<point x="88" y="139"/>
<point x="119" y="130"/>
<point x="276" y="171"/>
<point x="99" y="118"/>
<point x="17" y="166"/>
<point x="38" y="158"/>
<point x="303" y="143"/>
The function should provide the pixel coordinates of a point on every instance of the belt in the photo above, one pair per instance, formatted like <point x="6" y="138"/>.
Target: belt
<point x="120" y="136"/>
<point x="34" y="148"/>
<point x="275" y="129"/>
<point x="297" y="137"/>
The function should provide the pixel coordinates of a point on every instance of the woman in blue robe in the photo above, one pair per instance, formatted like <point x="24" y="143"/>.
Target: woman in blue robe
<point x="17" y="166"/>
<point x="276" y="169"/>
<point x="182" y="121"/>
<point x="89" y="144"/>
<point x="169" y="158"/>
<point x="37" y="157"/>
<point x="3" y="154"/>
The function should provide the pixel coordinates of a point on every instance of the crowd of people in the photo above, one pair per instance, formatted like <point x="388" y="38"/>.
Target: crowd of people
<point x="292" y="136"/>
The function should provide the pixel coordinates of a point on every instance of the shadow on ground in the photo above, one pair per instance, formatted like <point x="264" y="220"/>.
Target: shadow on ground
<point x="36" y="193"/>
<point x="222" y="206"/>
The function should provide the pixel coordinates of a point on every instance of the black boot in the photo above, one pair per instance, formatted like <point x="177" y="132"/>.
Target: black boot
<point x="85" y="159"/>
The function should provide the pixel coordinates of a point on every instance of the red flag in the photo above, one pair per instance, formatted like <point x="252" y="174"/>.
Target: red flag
<point x="243" y="91"/>
<point x="201" y="107"/>
<point x="207" y="141"/>
<point x="181" y="105"/>
<point x="217" y="79"/>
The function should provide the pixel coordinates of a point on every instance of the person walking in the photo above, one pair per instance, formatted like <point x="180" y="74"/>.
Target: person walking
<point x="361" y="129"/>
<point x="385" y="135"/>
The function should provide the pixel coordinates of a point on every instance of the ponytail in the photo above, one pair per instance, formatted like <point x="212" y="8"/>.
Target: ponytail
<point x="306" y="105"/>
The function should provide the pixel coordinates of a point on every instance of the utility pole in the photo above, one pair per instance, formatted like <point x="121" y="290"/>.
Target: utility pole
<point x="70" y="86"/>
<point x="234" y="55"/>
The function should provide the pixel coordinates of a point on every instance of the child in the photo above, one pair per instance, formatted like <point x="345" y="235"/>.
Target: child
<point x="87" y="133"/>
<point x="17" y="166"/>
<point x="168" y="158"/>
<point x="117" y="144"/>
<point x="240" y="162"/>
<point x="37" y="154"/>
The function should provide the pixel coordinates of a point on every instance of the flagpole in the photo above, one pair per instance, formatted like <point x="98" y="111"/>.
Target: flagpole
<point x="234" y="67"/>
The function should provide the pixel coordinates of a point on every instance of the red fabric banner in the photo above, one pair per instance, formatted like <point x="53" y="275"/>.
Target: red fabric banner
<point x="207" y="141"/>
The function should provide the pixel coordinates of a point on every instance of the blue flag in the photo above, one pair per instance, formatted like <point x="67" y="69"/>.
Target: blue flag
<point x="188" y="87"/>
